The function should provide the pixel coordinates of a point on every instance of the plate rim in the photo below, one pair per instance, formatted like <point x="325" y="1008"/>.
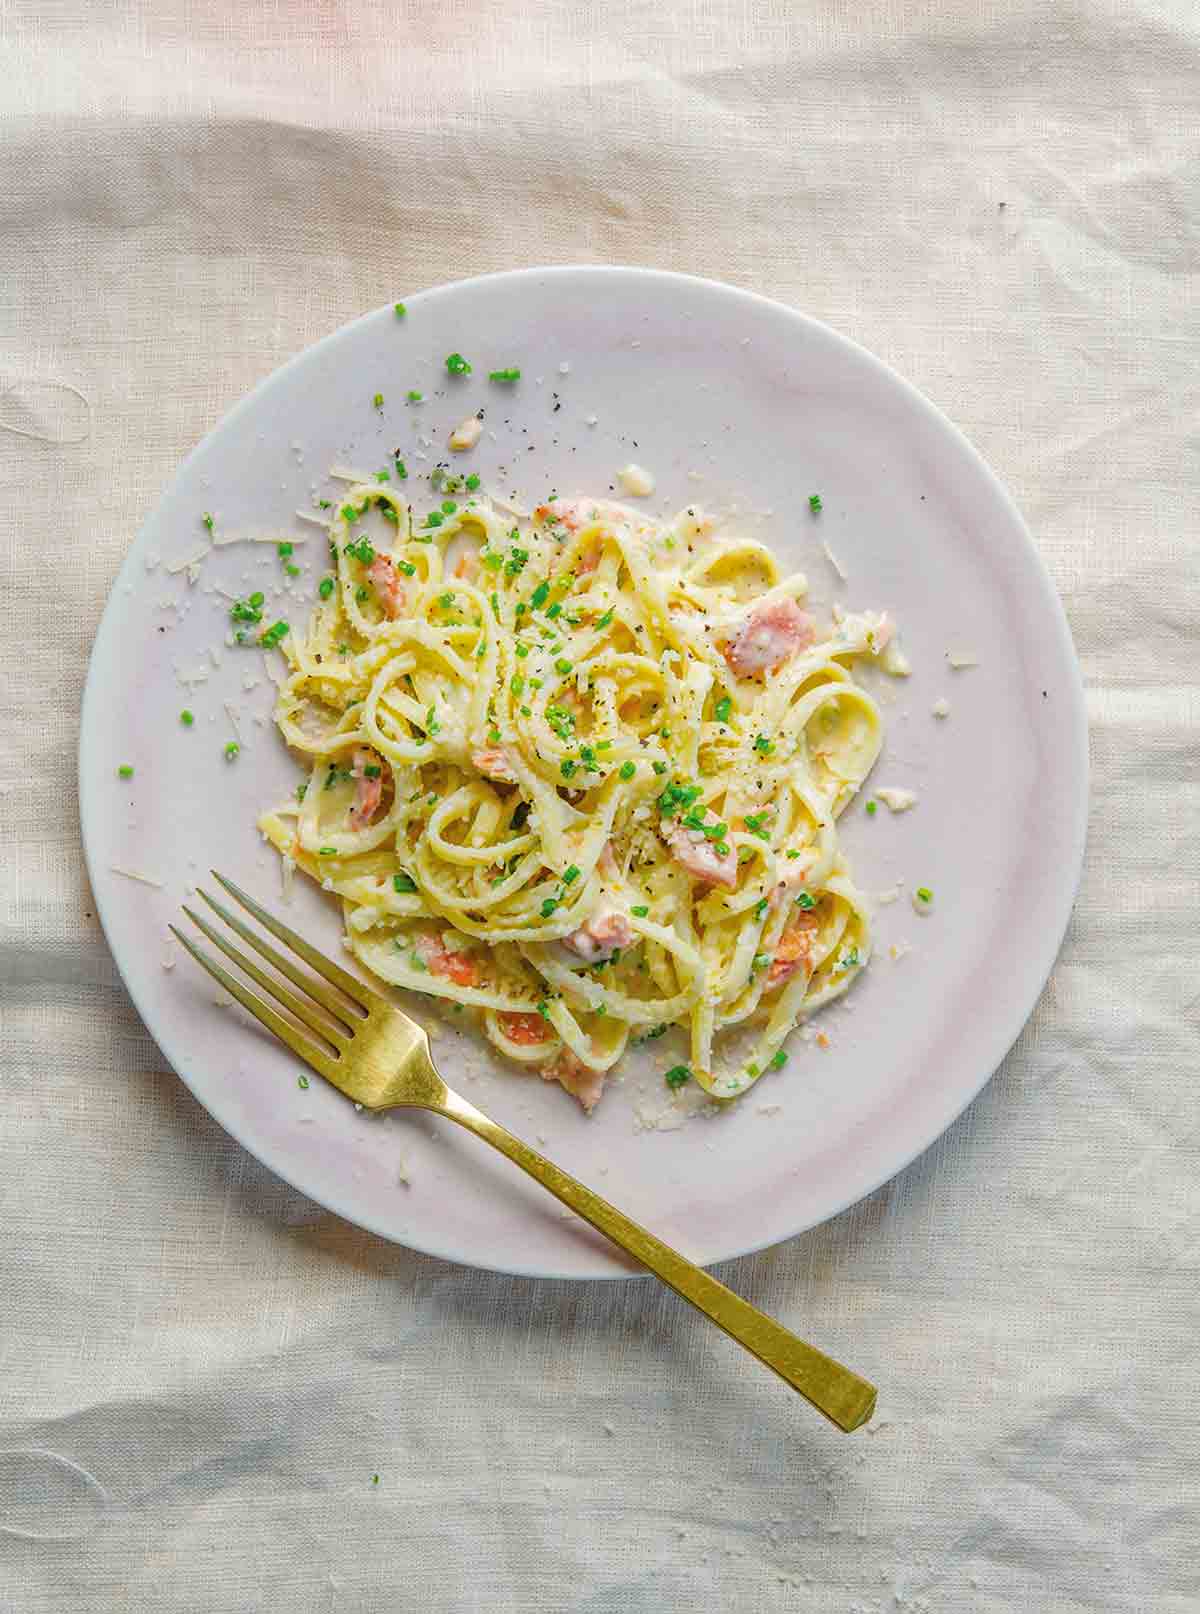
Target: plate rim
<point x="1004" y="1038"/>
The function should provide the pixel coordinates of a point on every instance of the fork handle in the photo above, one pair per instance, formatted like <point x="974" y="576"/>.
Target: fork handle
<point x="845" y="1398"/>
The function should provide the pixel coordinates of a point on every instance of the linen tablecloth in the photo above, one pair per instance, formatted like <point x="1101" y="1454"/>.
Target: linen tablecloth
<point x="202" y="1372"/>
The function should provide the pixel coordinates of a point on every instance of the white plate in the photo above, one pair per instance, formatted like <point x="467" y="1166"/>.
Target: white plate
<point x="731" y="401"/>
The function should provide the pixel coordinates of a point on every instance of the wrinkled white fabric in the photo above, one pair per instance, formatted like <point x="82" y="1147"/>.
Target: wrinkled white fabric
<point x="200" y="1371"/>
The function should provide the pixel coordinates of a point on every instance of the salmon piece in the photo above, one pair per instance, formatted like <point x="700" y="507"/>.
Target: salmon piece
<point x="768" y="637"/>
<point x="580" y="1080"/>
<point x="494" y="764"/>
<point x="384" y="579"/>
<point x="369" y="789"/>
<point x="525" y="1029"/>
<point x="438" y="959"/>
<point x="794" y="949"/>
<point x="605" y="933"/>
<point x="698" y="855"/>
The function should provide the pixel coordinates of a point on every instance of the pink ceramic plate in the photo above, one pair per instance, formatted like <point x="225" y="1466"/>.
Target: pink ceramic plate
<point x="732" y="401"/>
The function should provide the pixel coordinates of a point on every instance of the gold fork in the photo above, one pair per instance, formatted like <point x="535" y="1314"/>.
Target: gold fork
<point x="376" y="1055"/>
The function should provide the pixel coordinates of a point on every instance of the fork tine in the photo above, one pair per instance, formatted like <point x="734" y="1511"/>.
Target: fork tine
<point x="297" y="1041"/>
<point x="329" y="1000"/>
<point x="303" y="1010"/>
<point x="350" y="984"/>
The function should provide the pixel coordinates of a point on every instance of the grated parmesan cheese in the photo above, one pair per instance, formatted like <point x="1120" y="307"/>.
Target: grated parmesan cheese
<point x="896" y="799"/>
<point x="834" y="562"/>
<point x="132" y="874"/>
<point x="636" y="481"/>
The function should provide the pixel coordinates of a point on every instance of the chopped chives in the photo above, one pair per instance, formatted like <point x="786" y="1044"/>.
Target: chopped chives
<point x="125" y="771"/>
<point x="186" y="718"/>
<point x="677" y="1076"/>
<point x="640" y="910"/>
<point x="400" y="310"/>
<point x="512" y="374"/>
<point x="231" y="751"/>
<point x="628" y="769"/>
<point x="325" y="587"/>
<point x="457" y="365"/>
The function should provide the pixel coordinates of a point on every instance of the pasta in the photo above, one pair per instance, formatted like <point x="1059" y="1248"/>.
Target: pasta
<point x="580" y="773"/>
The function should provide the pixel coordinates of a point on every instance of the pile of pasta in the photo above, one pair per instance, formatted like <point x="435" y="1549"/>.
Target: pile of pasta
<point x="580" y="772"/>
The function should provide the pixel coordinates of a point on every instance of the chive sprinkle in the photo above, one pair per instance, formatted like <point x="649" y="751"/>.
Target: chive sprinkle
<point x="302" y="1082"/>
<point x="512" y="374"/>
<point x="814" y="503"/>
<point x="722" y="709"/>
<point x="628" y="769"/>
<point x="677" y="1076"/>
<point x="457" y="365"/>
<point x="640" y="911"/>
<point x="125" y="771"/>
<point x="400" y="310"/>
<point x="186" y="718"/>
<point x="231" y="751"/>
